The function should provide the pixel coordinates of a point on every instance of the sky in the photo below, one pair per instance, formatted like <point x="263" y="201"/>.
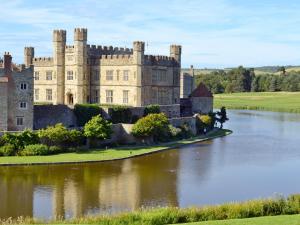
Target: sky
<point x="213" y="33"/>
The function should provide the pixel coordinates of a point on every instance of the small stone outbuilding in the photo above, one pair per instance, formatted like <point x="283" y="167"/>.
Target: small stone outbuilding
<point x="202" y="100"/>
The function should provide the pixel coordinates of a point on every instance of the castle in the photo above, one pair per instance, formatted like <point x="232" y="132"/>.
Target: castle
<point x="83" y="73"/>
<point x="16" y="100"/>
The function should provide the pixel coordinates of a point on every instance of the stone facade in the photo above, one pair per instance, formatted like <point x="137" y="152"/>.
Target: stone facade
<point x="187" y="83"/>
<point x="16" y="95"/>
<point x="82" y="73"/>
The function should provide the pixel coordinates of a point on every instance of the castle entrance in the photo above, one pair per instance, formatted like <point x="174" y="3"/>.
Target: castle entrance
<point x="70" y="99"/>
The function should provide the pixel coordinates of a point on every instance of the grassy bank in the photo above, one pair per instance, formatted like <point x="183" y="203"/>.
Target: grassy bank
<point x="269" y="220"/>
<point x="104" y="155"/>
<point x="268" y="101"/>
<point x="161" y="216"/>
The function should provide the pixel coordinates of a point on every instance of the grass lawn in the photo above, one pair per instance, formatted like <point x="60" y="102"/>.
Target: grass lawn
<point x="270" y="220"/>
<point x="104" y="155"/>
<point x="269" y="101"/>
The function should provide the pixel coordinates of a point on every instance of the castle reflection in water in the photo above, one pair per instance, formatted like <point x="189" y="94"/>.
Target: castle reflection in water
<point x="67" y="191"/>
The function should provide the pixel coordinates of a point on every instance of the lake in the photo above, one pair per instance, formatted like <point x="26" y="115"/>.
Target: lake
<point x="260" y="159"/>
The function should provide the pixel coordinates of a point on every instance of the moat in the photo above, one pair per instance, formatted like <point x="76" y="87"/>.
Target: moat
<point x="260" y="159"/>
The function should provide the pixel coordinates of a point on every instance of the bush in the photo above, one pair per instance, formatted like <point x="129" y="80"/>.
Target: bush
<point x="74" y="138"/>
<point x="37" y="149"/>
<point x="54" y="135"/>
<point x="55" y="150"/>
<point x="185" y="131"/>
<point x="203" y="122"/>
<point x="98" y="128"/>
<point x="2" y="142"/>
<point x="152" y="125"/>
<point x="7" y="150"/>
<point x="85" y="112"/>
<point x="120" y="114"/>
<point x="19" y="140"/>
<point x="174" y="131"/>
<point x="151" y="109"/>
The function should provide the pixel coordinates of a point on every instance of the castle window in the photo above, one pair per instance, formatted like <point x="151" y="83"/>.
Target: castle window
<point x="162" y="97"/>
<point x="49" y="94"/>
<point x="118" y="74"/>
<point x="23" y="86"/>
<point x="37" y="94"/>
<point x="154" y="76"/>
<point x="125" y="75"/>
<point x="96" y="96"/>
<point x="48" y="75"/>
<point x="96" y="75"/>
<point x="20" y="121"/>
<point x="70" y="75"/>
<point x="36" y="75"/>
<point x="23" y="105"/>
<point x="125" y="96"/>
<point x="109" y="74"/>
<point x="109" y="96"/>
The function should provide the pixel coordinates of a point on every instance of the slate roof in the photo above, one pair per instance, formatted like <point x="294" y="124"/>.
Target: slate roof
<point x="201" y="91"/>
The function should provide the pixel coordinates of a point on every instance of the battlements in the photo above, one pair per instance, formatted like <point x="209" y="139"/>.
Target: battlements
<point x="80" y="34"/>
<point x="98" y="50"/>
<point x="158" y="60"/>
<point x="59" y="36"/>
<point x="139" y="46"/>
<point x="43" y="61"/>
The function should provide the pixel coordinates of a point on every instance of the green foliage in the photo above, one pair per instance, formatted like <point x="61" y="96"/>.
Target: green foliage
<point x="174" y="132"/>
<point x="19" y="140"/>
<point x="7" y="150"/>
<point x="55" y="150"/>
<point x="32" y="150"/>
<point x="98" y="128"/>
<point x="152" y="125"/>
<point x="203" y="122"/>
<point x="59" y="135"/>
<point x="222" y="116"/>
<point x="151" y="109"/>
<point x="120" y="114"/>
<point x="85" y="112"/>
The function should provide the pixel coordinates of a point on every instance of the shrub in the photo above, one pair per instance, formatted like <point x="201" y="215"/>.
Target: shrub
<point x="55" y="150"/>
<point x="85" y="112"/>
<point x="174" y="131"/>
<point x="151" y="109"/>
<point x="37" y="149"/>
<point x="2" y="142"/>
<point x="120" y="114"/>
<point x="53" y="135"/>
<point x="152" y="125"/>
<point x="7" y="150"/>
<point x="19" y="140"/>
<point x="185" y="131"/>
<point x="203" y="122"/>
<point x="98" y="128"/>
<point x="74" y="138"/>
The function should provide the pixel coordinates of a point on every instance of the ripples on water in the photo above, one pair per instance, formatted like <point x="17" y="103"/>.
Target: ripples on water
<point x="260" y="159"/>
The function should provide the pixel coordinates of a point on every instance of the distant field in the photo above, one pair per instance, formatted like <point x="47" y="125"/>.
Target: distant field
<point x="271" y="220"/>
<point x="268" y="101"/>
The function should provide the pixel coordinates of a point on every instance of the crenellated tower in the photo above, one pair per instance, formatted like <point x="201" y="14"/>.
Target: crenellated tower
<point x="59" y="45"/>
<point x="138" y="58"/>
<point x="175" y="52"/>
<point x="80" y="52"/>
<point x="28" y="56"/>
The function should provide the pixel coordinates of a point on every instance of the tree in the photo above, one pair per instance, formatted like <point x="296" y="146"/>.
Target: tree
<point x="153" y="125"/>
<point x="222" y="116"/>
<point x="282" y="70"/>
<point x="97" y="128"/>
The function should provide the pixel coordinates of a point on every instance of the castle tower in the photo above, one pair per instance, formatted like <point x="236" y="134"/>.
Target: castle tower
<point x="175" y="52"/>
<point x="138" y="57"/>
<point x="28" y="56"/>
<point x="80" y="48"/>
<point x="59" y="45"/>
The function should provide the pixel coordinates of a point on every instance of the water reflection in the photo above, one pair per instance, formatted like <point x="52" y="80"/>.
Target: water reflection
<point x="261" y="158"/>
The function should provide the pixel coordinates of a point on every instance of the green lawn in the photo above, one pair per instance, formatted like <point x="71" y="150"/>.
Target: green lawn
<point x="270" y="220"/>
<point x="269" y="101"/>
<point x="103" y="155"/>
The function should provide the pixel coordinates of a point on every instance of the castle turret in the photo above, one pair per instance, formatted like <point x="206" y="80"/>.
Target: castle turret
<point x="80" y="51"/>
<point x="28" y="56"/>
<point x="59" y="45"/>
<point x="138" y="51"/>
<point x="175" y="52"/>
<point x="7" y="62"/>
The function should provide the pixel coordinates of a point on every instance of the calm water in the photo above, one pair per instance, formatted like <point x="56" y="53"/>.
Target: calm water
<point x="261" y="159"/>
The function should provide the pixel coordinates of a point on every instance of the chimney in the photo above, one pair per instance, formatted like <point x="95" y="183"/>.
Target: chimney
<point x="7" y="59"/>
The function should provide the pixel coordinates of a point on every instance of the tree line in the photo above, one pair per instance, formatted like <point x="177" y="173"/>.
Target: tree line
<point x="245" y="80"/>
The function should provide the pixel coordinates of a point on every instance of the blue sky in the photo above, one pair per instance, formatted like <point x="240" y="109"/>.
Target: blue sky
<point x="214" y="33"/>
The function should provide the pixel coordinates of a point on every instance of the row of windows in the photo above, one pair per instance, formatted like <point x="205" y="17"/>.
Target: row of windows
<point x="159" y="76"/>
<point x="110" y="75"/>
<point x="48" y="94"/>
<point x="109" y="96"/>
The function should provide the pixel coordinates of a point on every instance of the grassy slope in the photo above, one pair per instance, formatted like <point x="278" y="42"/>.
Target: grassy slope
<point x="102" y="155"/>
<point x="270" y="220"/>
<point x="271" y="101"/>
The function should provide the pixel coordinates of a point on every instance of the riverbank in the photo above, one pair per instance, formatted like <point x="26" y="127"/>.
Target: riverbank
<point x="219" y="214"/>
<point x="99" y="155"/>
<point x="266" y="101"/>
<point x="268" y="220"/>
